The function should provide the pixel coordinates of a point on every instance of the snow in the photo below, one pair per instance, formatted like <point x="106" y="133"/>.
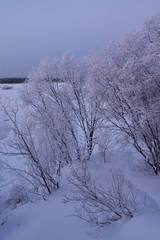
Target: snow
<point x="143" y="227"/>
<point x="51" y="219"/>
<point x="146" y="183"/>
<point x="44" y="221"/>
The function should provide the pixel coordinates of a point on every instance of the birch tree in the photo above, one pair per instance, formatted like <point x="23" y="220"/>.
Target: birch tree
<point x="130" y="76"/>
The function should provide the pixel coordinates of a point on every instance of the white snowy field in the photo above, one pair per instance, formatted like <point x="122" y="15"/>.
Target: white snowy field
<point x="5" y="93"/>
<point x="51" y="219"/>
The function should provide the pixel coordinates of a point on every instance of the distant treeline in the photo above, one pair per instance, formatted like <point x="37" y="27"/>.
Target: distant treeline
<point x="22" y="80"/>
<point x="12" y="80"/>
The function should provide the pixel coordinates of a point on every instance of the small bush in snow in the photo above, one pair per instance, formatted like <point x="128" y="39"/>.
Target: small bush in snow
<point x="17" y="194"/>
<point x="6" y="87"/>
<point x="100" y="205"/>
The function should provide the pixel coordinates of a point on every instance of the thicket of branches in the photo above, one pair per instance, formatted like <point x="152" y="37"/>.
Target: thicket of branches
<point x="128" y="75"/>
<point x="102" y="204"/>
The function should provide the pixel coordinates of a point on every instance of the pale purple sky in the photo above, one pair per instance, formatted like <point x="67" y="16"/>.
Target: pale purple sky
<point x="33" y="29"/>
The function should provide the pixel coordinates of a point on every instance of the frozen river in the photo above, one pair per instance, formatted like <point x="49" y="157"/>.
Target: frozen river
<point x="10" y="95"/>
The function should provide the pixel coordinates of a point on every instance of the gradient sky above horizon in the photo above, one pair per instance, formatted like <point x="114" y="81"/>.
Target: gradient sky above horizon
<point x="33" y="29"/>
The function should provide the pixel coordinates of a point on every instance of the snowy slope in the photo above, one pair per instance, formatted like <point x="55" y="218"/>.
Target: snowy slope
<point x="50" y="220"/>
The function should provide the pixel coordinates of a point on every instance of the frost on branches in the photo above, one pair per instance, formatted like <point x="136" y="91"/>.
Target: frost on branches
<point x="128" y="74"/>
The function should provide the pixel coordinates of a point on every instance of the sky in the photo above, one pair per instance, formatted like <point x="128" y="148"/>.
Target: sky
<point x="33" y="29"/>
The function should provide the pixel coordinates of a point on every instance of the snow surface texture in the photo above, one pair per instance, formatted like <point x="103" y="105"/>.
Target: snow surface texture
<point x="51" y="219"/>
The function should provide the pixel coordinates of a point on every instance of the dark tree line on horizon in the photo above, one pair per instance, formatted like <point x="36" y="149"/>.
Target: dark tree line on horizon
<point x="12" y="80"/>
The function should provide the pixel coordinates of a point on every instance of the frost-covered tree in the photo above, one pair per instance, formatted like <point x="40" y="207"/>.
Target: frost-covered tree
<point x="40" y="170"/>
<point x="59" y="122"/>
<point x="66" y="108"/>
<point x="129" y="78"/>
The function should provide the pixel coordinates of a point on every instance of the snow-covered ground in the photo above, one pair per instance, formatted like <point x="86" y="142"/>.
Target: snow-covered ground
<point x="8" y="93"/>
<point x="51" y="219"/>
